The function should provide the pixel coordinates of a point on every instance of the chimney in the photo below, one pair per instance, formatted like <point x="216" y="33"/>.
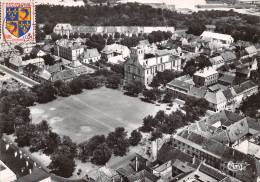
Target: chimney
<point x="136" y="163"/>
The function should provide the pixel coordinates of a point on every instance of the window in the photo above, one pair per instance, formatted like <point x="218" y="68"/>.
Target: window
<point x="147" y="71"/>
<point x="139" y="72"/>
<point x="161" y="60"/>
<point x="128" y="68"/>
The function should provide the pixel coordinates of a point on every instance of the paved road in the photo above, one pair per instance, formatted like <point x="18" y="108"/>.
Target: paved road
<point x="25" y="80"/>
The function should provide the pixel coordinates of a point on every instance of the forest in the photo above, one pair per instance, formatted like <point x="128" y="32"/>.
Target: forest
<point x="240" y="26"/>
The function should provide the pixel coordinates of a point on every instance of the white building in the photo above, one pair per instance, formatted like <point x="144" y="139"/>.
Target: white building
<point x="218" y="37"/>
<point x="63" y="29"/>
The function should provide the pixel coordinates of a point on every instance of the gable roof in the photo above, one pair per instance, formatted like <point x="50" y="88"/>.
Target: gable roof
<point x="36" y="175"/>
<point x="227" y="56"/>
<point x="181" y="84"/>
<point x="217" y="36"/>
<point x="197" y="92"/>
<point x="31" y="68"/>
<point x="227" y="78"/>
<point x="143" y="176"/>
<point x="90" y="53"/>
<point x="251" y="50"/>
<point x="216" y="60"/>
<point x="215" y="98"/>
<point x="63" y="75"/>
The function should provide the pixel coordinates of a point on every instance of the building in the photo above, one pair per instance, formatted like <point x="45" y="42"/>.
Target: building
<point x="17" y="64"/>
<point x="217" y="62"/>
<point x="143" y="67"/>
<point x="115" y="53"/>
<point x="210" y="28"/>
<point x="90" y="56"/>
<point x="228" y="56"/>
<point x="205" y="77"/>
<point x="217" y="100"/>
<point x="111" y="30"/>
<point x="218" y="37"/>
<point x="68" y="50"/>
<point x="6" y="174"/>
<point x="25" y="48"/>
<point x="63" y="29"/>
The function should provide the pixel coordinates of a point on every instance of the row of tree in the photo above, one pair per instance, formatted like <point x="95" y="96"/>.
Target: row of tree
<point x="163" y="123"/>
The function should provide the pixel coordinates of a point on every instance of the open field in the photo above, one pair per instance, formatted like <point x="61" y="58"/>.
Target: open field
<point x="94" y="112"/>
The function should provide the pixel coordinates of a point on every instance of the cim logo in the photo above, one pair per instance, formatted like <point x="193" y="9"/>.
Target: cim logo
<point x="237" y="166"/>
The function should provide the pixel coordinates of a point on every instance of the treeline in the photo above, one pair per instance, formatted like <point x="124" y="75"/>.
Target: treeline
<point x="130" y="14"/>
<point x="162" y="123"/>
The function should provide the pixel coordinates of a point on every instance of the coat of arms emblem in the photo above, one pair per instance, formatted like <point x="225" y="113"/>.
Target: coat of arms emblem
<point x="18" y="20"/>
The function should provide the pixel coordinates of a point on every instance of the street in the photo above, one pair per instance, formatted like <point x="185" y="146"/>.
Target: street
<point x="25" y="80"/>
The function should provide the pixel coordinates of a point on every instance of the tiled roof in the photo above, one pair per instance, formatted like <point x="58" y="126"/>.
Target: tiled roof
<point x="228" y="94"/>
<point x="127" y="170"/>
<point x="244" y="86"/>
<point x="180" y="84"/>
<point x="237" y="130"/>
<point x="227" y="56"/>
<point x="253" y="123"/>
<point x="214" y="147"/>
<point x="215" y="98"/>
<point x="214" y="35"/>
<point x="227" y="78"/>
<point x="36" y="175"/>
<point x="63" y="75"/>
<point x="90" y="53"/>
<point x="216" y="60"/>
<point x="114" y="48"/>
<point x="166" y="152"/>
<point x="210" y="171"/>
<point x="197" y="92"/>
<point x="251" y="50"/>
<point x="143" y="176"/>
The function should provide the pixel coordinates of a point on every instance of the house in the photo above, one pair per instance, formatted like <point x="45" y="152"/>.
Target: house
<point x="63" y="29"/>
<point x="38" y="52"/>
<point x="115" y="53"/>
<point x="190" y="47"/>
<point x="217" y="100"/>
<point x="90" y="56"/>
<point x="218" y="37"/>
<point x="68" y="50"/>
<point x="29" y="71"/>
<point x="17" y="64"/>
<point x="205" y="77"/>
<point x="143" y="67"/>
<point x="25" y="48"/>
<point x="217" y="61"/>
<point x="251" y="51"/>
<point x="6" y="174"/>
<point x="228" y="56"/>
<point x="226" y="79"/>
<point x="65" y="76"/>
<point x="245" y="90"/>
<point x="7" y="50"/>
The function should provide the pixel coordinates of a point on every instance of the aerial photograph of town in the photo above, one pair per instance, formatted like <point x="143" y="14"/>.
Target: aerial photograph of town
<point x="130" y="91"/>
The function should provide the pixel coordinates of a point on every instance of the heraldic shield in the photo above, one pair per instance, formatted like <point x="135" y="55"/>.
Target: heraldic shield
<point x="18" y="20"/>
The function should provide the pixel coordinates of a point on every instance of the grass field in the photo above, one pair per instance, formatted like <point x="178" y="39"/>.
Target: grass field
<point x="93" y="112"/>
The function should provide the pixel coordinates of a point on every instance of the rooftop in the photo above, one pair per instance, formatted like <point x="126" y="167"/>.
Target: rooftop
<point x="208" y="71"/>
<point x="218" y="36"/>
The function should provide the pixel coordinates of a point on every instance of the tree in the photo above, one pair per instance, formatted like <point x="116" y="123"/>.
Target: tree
<point x="156" y="134"/>
<point x="168" y="97"/>
<point x="64" y="36"/>
<point x="196" y="27"/>
<point x="164" y="77"/>
<point x="190" y="67"/>
<point x="135" y="138"/>
<point x="149" y="123"/>
<point x="66" y="141"/>
<point x="53" y="141"/>
<point x="135" y="87"/>
<point x="152" y="94"/>
<point x="101" y="155"/>
<point x="76" y="35"/>
<point x="24" y="134"/>
<point x="105" y="35"/>
<point x="82" y="35"/>
<point x="110" y="40"/>
<point x="48" y="59"/>
<point x="118" y="141"/>
<point x="55" y="37"/>
<point x="76" y="85"/>
<point x="39" y="35"/>
<point x="117" y="35"/>
<point x="48" y="28"/>
<point x="62" y="88"/>
<point x="118" y="68"/>
<point x="45" y="92"/>
<point x="87" y="148"/>
<point x="62" y="165"/>
<point x="113" y="81"/>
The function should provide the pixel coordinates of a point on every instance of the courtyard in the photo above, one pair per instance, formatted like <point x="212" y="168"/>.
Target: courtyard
<point x="95" y="112"/>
